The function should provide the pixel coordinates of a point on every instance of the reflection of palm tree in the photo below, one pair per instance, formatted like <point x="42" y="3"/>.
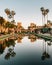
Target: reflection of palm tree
<point x="1" y="49"/>
<point x="10" y="50"/>
<point x="10" y="53"/>
<point x="45" y="53"/>
<point x="10" y="42"/>
<point x="13" y="54"/>
<point x="7" y="56"/>
<point x="49" y="43"/>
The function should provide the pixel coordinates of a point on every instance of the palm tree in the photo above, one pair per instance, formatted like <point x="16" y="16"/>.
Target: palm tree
<point x="44" y="13"/>
<point x="47" y="10"/>
<point x="7" y="11"/>
<point x="42" y="10"/>
<point x="12" y="14"/>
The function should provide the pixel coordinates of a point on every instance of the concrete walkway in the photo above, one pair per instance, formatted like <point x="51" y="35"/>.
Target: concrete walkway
<point x="5" y="36"/>
<point x="46" y="37"/>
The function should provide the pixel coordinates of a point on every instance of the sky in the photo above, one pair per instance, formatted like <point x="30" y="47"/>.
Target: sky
<point x="27" y="11"/>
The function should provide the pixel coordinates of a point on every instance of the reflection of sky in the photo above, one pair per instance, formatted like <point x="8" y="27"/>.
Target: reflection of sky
<point x="26" y="10"/>
<point x="27" y="52"/>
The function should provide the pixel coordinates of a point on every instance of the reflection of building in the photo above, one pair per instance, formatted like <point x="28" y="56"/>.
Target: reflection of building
<point x="32" y="38"/>
<point x="19" y="38"/>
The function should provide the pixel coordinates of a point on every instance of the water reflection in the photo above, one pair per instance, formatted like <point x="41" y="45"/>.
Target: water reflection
<point x="2" y="47"/>
<point x="8" y="43"/>
<point x="45" y="54"/>
<point x="19" y="38"/>
<point x="32" y="38"/>
<point x="10" y="53"/>
<point x="11" y="42"/>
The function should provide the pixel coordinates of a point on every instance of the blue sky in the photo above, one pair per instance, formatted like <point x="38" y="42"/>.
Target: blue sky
<point x="27" y="11"/>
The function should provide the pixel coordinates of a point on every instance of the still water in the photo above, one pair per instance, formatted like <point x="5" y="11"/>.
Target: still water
<point x="25" y="50"/>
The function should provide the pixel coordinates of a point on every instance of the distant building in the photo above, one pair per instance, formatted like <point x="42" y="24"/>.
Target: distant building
<point x="19" y="27"/>
<point x="32" y="27"/>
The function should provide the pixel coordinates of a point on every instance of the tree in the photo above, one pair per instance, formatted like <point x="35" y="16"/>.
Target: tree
<point x="48" y="21"/>
<point x="13" y="13"/>
<point x="10" y="15"/>
<point x="7" y="25"/>
<point x="42" y="10"/>
<point x="2" y="21"/>
<point x="44" y="13"/>
<point x="47" y="10"/>
<point x="7" y="11"/>
<point x="13" y="21"/>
